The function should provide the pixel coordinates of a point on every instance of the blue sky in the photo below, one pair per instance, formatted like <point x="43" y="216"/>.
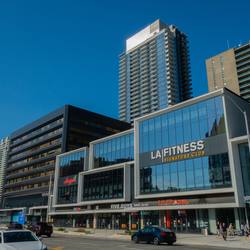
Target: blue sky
<point x="66" y="52"/>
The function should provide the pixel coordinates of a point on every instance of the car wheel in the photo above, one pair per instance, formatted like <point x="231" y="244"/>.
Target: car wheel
<point x="49" y="235"/>
<point x="156" y="241"/>
<point x="135" y="239"/>
<point x="170" y="243"/>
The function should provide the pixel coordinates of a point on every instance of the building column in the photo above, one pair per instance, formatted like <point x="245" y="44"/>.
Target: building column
<point x="168" y="219"/>
<point x="87" y="223"/>
<point x="129" y="221"/>
<point x="197" y="217"/>
<point x="112" y="222"/>
<point x="212" y="220"/>
<point x="94" y="221"/>
<point x="74" y="222"/>
<point x="141" y="220"/>
<point x="237" y="219"/>
<point x="246" y="211"/>
<point x="161" y="218"/>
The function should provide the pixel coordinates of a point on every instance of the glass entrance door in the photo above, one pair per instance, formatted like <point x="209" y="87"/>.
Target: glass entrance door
<point x="225" y="215"/>
<point x="104" y="221"/>
<point x="183" y="221"/>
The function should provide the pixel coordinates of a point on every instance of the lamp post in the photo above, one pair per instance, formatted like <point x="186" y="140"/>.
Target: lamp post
<point x="248" y="139"/>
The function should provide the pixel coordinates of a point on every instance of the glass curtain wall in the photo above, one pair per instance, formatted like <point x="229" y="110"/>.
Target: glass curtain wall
<point x="69" y="167"/>
<point x="193" y="174"/>
<point x="192" y="123"/>
<point x="161" y="71"/>
<point x="113" y="151"/>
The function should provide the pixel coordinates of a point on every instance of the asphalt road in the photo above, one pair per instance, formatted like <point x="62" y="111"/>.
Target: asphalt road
<point x="64" y="242"/>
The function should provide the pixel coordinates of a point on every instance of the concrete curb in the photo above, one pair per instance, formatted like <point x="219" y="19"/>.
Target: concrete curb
<point x="190" y="240"/>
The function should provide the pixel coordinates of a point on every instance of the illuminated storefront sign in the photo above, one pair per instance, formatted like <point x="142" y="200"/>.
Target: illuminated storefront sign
<point x="129" y="205"/>
<point x="179" y="152"/>
<point x="69" y="181"/>
<point x="172" y="202"/>
<point x="150" y="203"/>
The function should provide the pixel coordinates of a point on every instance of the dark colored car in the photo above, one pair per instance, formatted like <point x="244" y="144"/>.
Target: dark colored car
<point x="15" y="225"/>
<point x="156" y="235"/>
<point x="41" y="228"/>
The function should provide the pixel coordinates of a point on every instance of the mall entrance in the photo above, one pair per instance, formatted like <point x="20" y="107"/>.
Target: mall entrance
<point x="188" y="221"/>
<point x="115" y="221"/>
<point x="226" y="215"/>
<point x="73" y="220"/>
<point x="84" y="220"/>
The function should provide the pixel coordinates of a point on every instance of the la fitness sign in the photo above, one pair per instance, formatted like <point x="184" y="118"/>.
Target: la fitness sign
<point x="179" y="152"/>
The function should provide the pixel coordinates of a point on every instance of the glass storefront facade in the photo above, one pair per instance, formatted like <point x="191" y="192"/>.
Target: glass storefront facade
<point x="183" y="127"/>
<point x="104" y="185"/>
<point x="69" y="167"/>
<point x="113" y="151"/>
<point x="177" y="174"/>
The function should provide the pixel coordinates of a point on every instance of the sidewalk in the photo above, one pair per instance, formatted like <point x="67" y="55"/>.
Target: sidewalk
<point x="182" y="239"/>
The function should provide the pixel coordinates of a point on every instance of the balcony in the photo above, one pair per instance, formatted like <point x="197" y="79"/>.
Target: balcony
<point x="35" y="133"/>
<point x="37" y="141"/>
<point x="26" y="164"/>
<point x="35" y="152"/>
<point x="31" y="191"/>
<point x="32" y="171"/>
<point x="244" y="80"/>
<point x="28" y="181"/>
<point x="242" y="64"/>
<point x="243" y="52"/>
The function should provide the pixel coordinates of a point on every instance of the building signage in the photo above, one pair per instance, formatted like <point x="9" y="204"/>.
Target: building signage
<point x="172" y="202"/>
<point x="179" y="152"/>
<point x="150" y="203"/>
<point x="69" y="181"/>
<point x="129" y="205"/>
<point x="18" y="217"/>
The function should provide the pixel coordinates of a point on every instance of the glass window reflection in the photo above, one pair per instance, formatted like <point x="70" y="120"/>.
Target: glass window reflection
<point x="69" y="167"/>
<point x="113" y="151"/>
<point x="104" y="185"/>
<point x="193" y="174"/>
<point x="195" y="122"/>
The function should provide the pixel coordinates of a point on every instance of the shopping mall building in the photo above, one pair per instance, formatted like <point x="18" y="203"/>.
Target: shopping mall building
<point x="184" y="167"/>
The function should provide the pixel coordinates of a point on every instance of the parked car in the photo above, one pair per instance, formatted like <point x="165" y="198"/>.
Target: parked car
<point x="15" y="225"/>
<point x="20" y="240"/>
<point x="155" y="235"/>
<point x="41" y="228"/>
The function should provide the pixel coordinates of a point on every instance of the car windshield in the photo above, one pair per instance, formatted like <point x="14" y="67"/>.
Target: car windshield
<point x="10" y="237"/>
<point x="164" y="229"/>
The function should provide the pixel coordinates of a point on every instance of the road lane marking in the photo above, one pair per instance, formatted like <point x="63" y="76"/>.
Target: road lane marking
<point x="132" y="248"/>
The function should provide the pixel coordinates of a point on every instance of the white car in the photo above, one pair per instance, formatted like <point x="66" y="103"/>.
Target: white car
<point x="20" y="240"/>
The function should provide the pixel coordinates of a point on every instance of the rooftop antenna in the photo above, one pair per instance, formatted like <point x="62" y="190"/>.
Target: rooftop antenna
<point x="239" y="44"/>
<point x="228" y="44"/>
